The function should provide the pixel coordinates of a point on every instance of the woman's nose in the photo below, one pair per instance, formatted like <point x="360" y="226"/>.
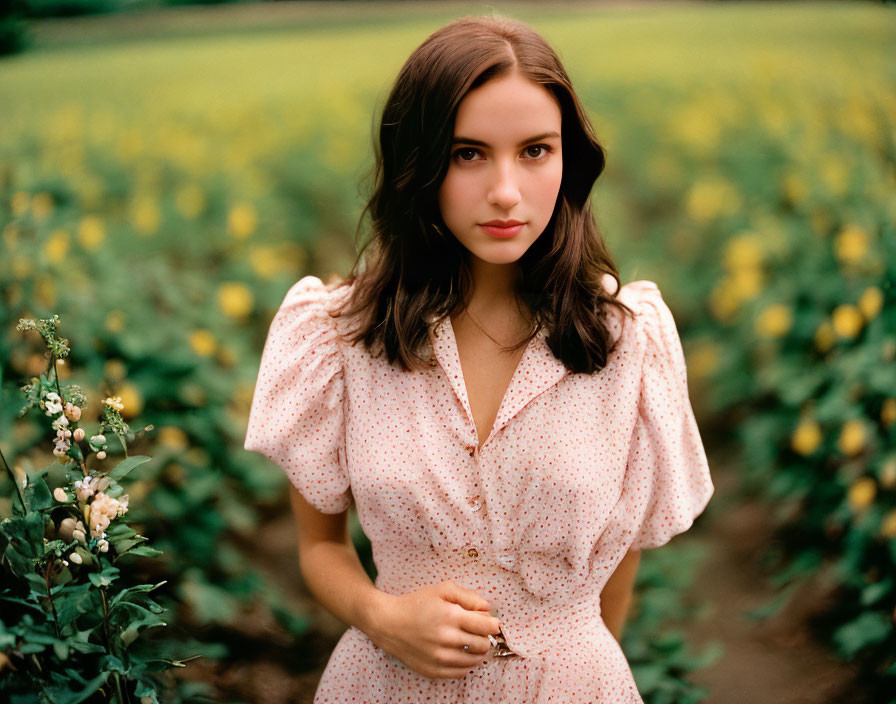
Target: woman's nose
<point x="504" y="190"/>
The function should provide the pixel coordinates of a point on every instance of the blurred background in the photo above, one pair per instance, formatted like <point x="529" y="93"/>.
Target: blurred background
<point x="166" y="173"/>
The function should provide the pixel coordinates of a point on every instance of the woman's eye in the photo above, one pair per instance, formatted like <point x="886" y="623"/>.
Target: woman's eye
<point x="542" y="148"/>
<point x="463" y="154"/>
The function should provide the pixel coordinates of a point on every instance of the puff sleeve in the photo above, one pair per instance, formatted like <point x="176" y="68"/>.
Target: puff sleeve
<point x="296" y="417"/>
<point x="667" y="461"/>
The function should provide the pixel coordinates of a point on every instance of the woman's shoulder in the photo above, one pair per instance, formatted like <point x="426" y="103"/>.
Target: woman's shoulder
<point x="644" y="299"/>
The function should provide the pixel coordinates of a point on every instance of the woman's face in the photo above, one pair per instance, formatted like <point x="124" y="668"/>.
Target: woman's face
<point x="506" y="166"/>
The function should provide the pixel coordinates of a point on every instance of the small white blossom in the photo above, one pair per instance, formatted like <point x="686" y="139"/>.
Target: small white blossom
<point x="53" y="407"/>
<point x="60" y="423"/>
<point x="114" y="402"/>
<point x="101" y="455"/>
<point x="76" y="558"/>
<point x="103" y="545"/>
<point x="79" y="535"/>
<point x="60" y="495"/>
<point x="98" y="439"/>
<point x="63" y="433"/>
<point x="72" y="411"/>
<point x="79" y="434"/>
<point x="85" y="488"/>
<point x="123" y="505"/>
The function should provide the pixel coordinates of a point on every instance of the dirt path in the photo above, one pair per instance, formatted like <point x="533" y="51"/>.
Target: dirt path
<point x="776" y="661"/>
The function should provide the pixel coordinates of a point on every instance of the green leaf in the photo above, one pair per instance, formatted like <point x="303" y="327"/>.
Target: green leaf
<point x="124" y="467"/>
<point x="140" y="588"/>
<point x="105" y="577"/>
<point x="61" y="648"/>
<point x="145" y="551"/>
<point x="871" y="628"/>
<point x="73" y="603"/>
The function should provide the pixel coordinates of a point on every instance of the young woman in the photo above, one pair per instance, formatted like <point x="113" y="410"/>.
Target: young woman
<point x="511" y="425"/>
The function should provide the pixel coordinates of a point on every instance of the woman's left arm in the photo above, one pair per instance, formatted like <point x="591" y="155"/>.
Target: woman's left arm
<point x="617" y="593"/>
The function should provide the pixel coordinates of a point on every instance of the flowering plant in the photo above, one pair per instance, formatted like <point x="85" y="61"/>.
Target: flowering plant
<point x="70" y="616"/>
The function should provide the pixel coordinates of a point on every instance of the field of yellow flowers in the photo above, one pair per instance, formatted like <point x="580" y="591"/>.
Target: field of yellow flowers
<point x="161" y="195"/>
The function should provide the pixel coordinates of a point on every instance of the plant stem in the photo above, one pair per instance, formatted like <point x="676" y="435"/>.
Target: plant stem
<point x="14" y="481"/>
<point x="50" y="599"/>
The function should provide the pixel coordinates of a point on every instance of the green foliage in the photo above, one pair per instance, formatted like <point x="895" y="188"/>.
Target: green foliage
<point x="71" y="610"/>
<point x="657" y="651"/>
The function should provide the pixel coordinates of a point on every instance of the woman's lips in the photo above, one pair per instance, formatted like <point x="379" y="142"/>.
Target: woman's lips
<point x="502" y="232"/>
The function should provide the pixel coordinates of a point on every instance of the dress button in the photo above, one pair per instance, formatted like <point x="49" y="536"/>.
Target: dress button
<point x="473" y="552"/>
<point x="475" y="502"/>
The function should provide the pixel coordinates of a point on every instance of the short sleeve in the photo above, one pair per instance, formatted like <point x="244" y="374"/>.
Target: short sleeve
<point x="296" y="418"/>
<point x="667" y="461"/>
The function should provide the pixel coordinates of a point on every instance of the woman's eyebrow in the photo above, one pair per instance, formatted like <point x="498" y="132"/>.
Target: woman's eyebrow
<point x="480" y="143"/>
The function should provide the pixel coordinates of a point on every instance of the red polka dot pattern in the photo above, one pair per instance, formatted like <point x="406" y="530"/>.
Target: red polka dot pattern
<point x="577" y="470"/>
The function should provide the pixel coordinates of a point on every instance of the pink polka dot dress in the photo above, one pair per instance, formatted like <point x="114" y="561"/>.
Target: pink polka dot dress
<point x="577" y="470"/>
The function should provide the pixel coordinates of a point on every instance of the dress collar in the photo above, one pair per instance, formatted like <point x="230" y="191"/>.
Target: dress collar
<point x="537" y="371"/>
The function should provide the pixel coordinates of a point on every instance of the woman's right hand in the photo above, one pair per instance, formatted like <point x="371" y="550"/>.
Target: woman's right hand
<point x="427" y="628"/>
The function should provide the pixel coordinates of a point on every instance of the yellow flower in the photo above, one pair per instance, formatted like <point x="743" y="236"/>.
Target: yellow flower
<point x="131" y="399"/>
<point x="871" y="301"/>
<point x="91" y="232"/>
<point x="743" y="251"/>
<point x="774" y="321"/>
<point x="203" y="343"/>
<point x="806" y="438"/>
<point x="242" y="220"/>
<point x="265" y="262"/>
<point x="42" y="205"/>
<point x="235" y="299"/>
<point x="190" y="201"/>
<point x="834" y="174"/>
<point x="852" y="437"/>
<point x="888" y="525"/>
<point x="888" y="473"/>
<point x="723" y="301"/>
<point x="708" y="199"/>
<point x="145" y="215"/>
<point x="795" y="188"/>
<point x="847" y="320"/>
<point x="115" y="321"/>
<point x="825" y="337"/>
<point x="861" y="494"/>
<point x="19" y="203"/>
<point x="746" y="283"/>
<point x="888" y="412"/>
<point x="704" y="359"/>
<point x="173" y="438"/>
<point x="851" y="244"/>
<point x="56" y="246"/>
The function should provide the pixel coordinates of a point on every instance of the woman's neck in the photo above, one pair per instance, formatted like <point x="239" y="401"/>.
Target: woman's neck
<point x="492" y="297"/>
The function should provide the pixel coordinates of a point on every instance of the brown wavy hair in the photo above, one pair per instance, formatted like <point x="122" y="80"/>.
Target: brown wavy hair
<point x="417" y="271"/>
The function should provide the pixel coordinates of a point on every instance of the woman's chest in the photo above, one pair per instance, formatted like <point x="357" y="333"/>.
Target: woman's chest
<point x="412" y="454"/>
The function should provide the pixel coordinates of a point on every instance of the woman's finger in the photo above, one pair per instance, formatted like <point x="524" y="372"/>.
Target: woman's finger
<point x="479" y="623"/>
<point x="476" y="645"/>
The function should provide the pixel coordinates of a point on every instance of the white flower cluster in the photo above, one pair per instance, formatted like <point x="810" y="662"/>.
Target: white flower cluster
<point x="103" y="509"/>
<point x="53" y="406"/>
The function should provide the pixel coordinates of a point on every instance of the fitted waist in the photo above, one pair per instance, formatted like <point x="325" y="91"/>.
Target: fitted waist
<point x="530" y="623"/>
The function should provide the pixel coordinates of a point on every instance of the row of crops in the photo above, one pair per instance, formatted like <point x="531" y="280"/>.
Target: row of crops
<point x="161" y="202"/>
